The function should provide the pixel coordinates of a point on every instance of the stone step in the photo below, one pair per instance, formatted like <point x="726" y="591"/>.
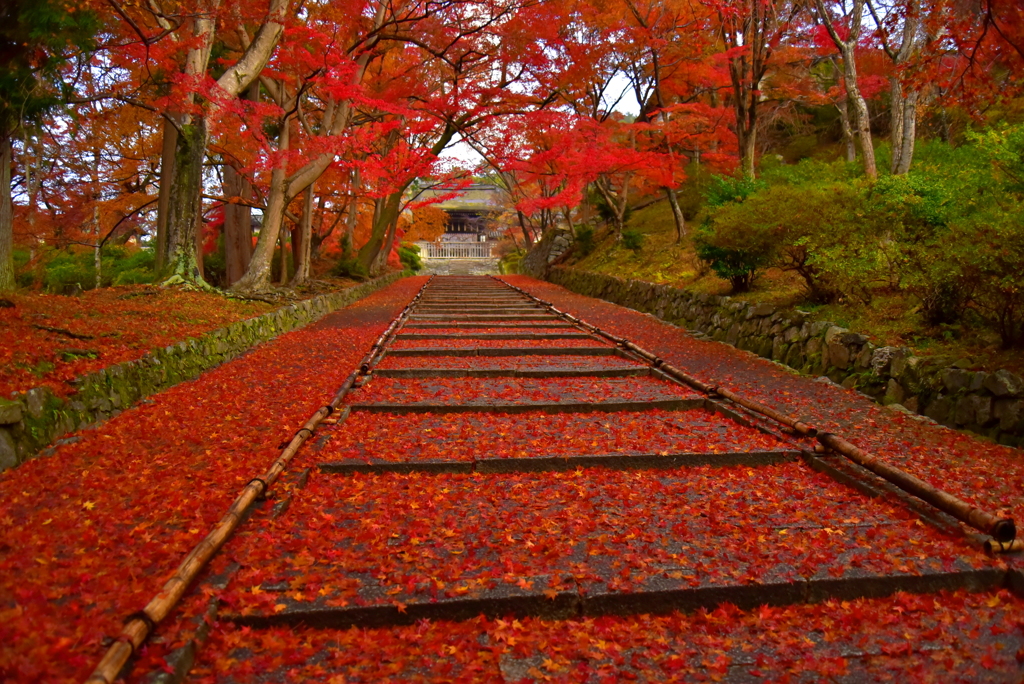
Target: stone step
<point x="499" y="406"/>
<point x="478" y="317"/>
<point x="582" y="604"/>
<point x="750" y="459"/>
<point x="506" y="351"/>
<point x="566" y="372"/>
<point x="493" y="336"/>
<point x="589" y="543"/>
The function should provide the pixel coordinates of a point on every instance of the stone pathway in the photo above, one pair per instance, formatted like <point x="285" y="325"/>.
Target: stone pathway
<point x="510" y="498"/>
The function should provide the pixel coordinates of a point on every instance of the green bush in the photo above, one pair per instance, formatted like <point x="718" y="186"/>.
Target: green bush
<point x="633" y="239"/>
<point x="25" y="276"/>
<point x="409" y="255"/>
<point x="350" y="268"/>
<point x="585" y="241"/>
<point x="68" y="269"/>
<point x="990" y="269"/>
<point x="118" y="266"/>
<point x="817" y="230"/>
<point x="733" y="262"/>
<point x="133" y="269"/>
<point x="511" y="263"/>
<point x="738" y="266"/>
<point x="724" y="190"/>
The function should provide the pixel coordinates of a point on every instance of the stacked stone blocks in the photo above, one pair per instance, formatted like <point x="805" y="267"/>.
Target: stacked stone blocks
<point x="987" y="403"/>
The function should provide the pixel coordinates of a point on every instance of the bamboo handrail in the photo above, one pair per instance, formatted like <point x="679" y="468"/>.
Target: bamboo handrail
<point x="140" y="625"/>
<point x="1002" y="529"/>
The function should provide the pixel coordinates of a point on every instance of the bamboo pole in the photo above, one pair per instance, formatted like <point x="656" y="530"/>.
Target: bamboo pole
<point x="140" y="625"/>
<point x="1002" y="530"/>
<point x="993" y="546"/>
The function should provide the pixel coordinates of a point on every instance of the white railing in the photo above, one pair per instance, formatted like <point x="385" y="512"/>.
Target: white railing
<point x="457" y="250"/>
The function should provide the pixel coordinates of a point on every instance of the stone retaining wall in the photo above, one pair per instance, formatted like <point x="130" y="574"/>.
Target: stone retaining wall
<point x="32" y="420"/>
<point x="988" y="403"/>
<point x="548" y="250"/>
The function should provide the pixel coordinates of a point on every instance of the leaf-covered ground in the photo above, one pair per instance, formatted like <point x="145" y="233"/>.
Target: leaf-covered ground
<point x="465" y="436"/>
<point x="100" y="536"/>
<point x="49" y="340"/>
<point x="454" y="391"/>
<point x="895" y="639"/>
<point x="89" y="534"/>
<point x="404" y="539"/>
<point x="477" y="343"/>
<point x="982" y="473"/>
<point x="508" y="363"/>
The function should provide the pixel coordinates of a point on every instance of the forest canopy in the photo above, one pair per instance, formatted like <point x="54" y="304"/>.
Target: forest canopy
<point x="227" y="139"/>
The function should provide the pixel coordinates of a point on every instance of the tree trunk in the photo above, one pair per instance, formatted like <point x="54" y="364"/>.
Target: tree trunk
<point x="301" y="247"/>
<point x="749" y="148"/>
<point x="616" y="203"/>
<point x="184" y="203"/>
<point x="257" y="276"/>
<point x="7" y="281"/>
<point x="904" y="126"/>
<point x="677" y="214"/>
<point x="166" y="181"/>
<point x="386" y="214"/>
<point x="849" y="144"/>
<point x="237" y="226"/>
<point x="184" y="208"/>
<point x="847" y="46"/>
<point x="527" y="235"/>
<point x="97" y="260"/>
<point x="904" y="106"/>
<point x="908" y="136"/>
<point x="283" y="261"/>
<point x="380" y="262"/>
<point x="861" y="118"/>
<point x="347" y="246"/>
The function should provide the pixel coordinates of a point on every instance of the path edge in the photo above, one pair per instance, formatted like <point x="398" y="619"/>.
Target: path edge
<point x="32" y="423"/>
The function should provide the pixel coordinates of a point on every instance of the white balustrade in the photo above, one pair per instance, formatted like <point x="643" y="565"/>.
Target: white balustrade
<point x="457" y="250"/>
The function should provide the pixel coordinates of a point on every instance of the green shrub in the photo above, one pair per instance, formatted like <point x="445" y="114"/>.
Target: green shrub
<point x="67" y="269"/>
<point x="633" y="239"/>
<point x="511" y="263"/>
<point x="724" y="190"/>
<point x="24" y="275"/>
<point x="987" y="269"/>
<point x="134" y="276"/>
<point x="816" y="231"/>
<point x="119" y="265"/>
<point x="585" y="241"/>
<point x="350" y="268"/>
<point x="810" y="171"/>
<point x="738" y="266"/>
<point x="134" y="269"/>
<point x="409" y="255"/>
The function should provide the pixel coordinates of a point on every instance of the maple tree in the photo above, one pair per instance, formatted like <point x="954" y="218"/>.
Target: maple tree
<point x="37" y="41"/>
<point x="321" y="119"/>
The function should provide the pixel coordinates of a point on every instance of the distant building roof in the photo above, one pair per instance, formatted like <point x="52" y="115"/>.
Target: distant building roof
<point x="478" y="196"/>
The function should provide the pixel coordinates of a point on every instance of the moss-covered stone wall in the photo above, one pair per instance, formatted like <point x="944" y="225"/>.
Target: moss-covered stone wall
<point x="32" y="420"/>
<point x="989" y="403"/>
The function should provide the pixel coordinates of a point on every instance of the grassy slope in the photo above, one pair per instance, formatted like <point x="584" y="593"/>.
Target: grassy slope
<point x="891" y="319"/>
